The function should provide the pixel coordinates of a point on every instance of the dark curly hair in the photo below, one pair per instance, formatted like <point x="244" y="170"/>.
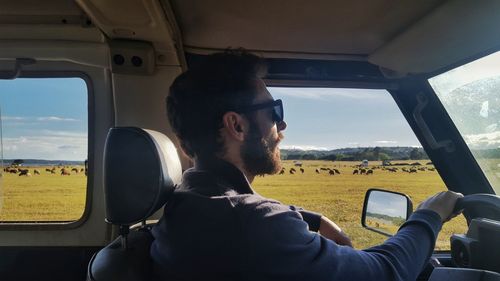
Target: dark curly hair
<point x="200" y="97"/>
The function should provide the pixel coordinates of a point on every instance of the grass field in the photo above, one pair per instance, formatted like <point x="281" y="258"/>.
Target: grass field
<point x="53" y="197"/>
<point x="340" y="197"/>
<point x="44" y="197"/>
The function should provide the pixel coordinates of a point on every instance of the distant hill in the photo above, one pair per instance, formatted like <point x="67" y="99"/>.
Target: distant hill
<point x="357" y="154"/>
<point x="372" y="154"/>
<point x="43" y="162"/>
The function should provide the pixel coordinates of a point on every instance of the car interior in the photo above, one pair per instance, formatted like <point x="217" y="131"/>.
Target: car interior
<point x="128" y="53"/>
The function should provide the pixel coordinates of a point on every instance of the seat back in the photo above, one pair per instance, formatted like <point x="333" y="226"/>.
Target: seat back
<point x="141" y="169"/>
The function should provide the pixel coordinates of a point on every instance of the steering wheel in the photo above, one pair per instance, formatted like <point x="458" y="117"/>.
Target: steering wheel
<point x="479" y="206"/>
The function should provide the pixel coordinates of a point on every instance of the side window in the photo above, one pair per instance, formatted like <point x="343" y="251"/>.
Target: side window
<point x="469" y="94"/>
<point x="44" y="131"/>
<point x="341" y="142"/>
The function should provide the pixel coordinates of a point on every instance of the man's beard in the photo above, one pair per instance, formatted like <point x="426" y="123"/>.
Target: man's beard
<point x="260" y="156"/>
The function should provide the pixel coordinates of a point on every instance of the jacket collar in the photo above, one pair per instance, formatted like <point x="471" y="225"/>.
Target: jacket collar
<point x="215" y="171"/>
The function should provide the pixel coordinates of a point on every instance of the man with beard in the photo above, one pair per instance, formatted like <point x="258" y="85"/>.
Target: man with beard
<point x="217" y="228"/>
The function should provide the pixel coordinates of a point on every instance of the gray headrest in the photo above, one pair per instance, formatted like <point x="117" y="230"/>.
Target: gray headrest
<point x="141" y="169"/>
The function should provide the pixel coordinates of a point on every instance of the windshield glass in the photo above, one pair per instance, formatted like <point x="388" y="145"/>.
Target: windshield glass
<point x="339" y="143"/>
<point x="470" y="94"/>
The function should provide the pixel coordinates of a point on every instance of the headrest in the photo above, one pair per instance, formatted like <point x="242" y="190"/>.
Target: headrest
<point x="141" y="169"/>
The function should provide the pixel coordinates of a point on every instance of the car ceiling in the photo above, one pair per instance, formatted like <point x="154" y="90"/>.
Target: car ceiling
<point x="356" y="28"/>
<point x="402" y="36"/>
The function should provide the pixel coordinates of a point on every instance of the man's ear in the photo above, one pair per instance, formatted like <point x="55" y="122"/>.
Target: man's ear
<point x="235" y="125"/>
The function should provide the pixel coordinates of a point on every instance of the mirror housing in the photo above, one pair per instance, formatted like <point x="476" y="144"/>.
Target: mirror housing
<point x="385" y="211"/>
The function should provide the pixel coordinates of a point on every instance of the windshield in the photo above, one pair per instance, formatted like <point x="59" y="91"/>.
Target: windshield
<point x="470" y="94"/>
<point x="339" y="143"/>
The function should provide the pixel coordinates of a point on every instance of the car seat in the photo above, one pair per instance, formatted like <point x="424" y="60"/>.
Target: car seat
<point x="141" y="169"/>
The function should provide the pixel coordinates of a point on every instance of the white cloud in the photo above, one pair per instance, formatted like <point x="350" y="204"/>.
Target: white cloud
<point x="13" y="118"/>
<point x="386" y="142"/>
<point x="304" y="147"/>
<point x="11" y="147"/>
<point x="64" y="134"/>
<point x="54" y="118"/>
<point x="50" y="145"/>
<point x="486" y="140"/>
<point x="327" y="93"/>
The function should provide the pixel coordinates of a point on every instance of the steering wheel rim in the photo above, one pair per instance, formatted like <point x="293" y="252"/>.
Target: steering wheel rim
<point x="479" y="205"/>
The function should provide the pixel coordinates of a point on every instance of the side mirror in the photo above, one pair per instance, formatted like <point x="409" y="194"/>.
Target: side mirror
<point x="385" y="211"/>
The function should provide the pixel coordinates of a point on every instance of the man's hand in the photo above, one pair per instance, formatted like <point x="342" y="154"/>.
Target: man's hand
<point x="443" y="204"/>
<point x="332" y="231"/>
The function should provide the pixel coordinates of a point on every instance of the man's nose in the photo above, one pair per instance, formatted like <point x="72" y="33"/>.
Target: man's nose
<point x="281" y="126"/>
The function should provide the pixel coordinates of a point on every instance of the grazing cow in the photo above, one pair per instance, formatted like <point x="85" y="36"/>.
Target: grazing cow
<point x="82" y="169"/>
<point x="24" y="172"/>
<point x="336" y="171"/>
<point x="362" y="171"/>
<point x="432" y="169"/>
<point x="405" y="170"/>
<point x="282" y="172"/>
<point x="292" y="171"/>
<point x="323" y="169"/>
<point x="331" y="173"/>
<point x="317" y="171"/>
<point x="302" y="170"/>
<point x="413" y="170"/>
<point x="65" y="172"/>
<point x="75" y="170"/>
<point x="11" y="170"/>
<point x="355" y="172"/>
<point x="369" y="172"/>
<point x="48" y="170"/>
<point x="36" y="172"/>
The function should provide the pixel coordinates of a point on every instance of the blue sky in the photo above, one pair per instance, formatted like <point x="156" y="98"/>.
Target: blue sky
<point x="389" y="204"/>
<point x="46" y="118"/>
<point x="337" y="118"/>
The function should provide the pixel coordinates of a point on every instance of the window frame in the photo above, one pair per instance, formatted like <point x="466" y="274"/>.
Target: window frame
<point x="64" y="225"/>
<point x="427" y="76"/>
<point x="391" y="87"/>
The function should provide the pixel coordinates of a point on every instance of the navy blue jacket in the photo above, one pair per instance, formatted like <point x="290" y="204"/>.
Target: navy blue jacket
<point x="217" y="228"/>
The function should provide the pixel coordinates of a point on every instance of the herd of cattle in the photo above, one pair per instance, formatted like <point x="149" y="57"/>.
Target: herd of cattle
<point x="64" y="171"/>
<point x="359" y="170"/>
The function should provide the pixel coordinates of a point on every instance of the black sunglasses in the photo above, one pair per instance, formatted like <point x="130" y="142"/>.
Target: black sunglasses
<point x="277" y="105"/>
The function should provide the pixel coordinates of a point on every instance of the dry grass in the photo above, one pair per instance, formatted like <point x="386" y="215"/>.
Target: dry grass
<point x="44" y="197"/>
<point x="340" y="197"/>
<point x="52" y="197"/>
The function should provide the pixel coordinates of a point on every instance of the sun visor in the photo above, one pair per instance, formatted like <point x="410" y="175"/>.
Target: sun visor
<point x="454" y="31"/>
